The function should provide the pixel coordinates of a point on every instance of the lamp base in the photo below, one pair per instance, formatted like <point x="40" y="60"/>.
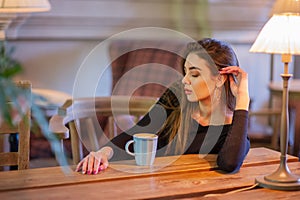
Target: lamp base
<point x="263" y="182"/>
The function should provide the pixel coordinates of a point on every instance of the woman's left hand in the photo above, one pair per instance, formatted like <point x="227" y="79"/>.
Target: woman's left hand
<point x="239" y="85"/>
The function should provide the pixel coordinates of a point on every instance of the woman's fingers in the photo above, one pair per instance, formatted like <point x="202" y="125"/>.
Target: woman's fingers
<point x="239" y="88"/>
<point x="84" y="165"/>
<point x="234" y="70"/>
<point x="79" y="165"/>
<point x="92" y="163"/>
<point x="237" y="73"/>
<point x="97" y="162"/>
<point x="233" y="85"/>
<point x="230" y="69"/>
<point x="238" y="79"/>
<point x="104" y="163"/>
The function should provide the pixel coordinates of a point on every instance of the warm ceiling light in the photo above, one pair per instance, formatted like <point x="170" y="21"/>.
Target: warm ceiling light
<point x="24" y="6"/>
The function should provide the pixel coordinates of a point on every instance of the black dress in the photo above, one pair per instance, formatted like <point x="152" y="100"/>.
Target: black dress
<point x="230" y="142"/>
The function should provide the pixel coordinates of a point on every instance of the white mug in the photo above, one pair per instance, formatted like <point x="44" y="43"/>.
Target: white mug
<point x="144" y="145"/>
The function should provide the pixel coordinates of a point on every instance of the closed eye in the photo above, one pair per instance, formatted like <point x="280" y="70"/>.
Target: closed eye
<point x="195" y="72"/>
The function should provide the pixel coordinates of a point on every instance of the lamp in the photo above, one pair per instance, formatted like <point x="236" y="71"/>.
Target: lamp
<point x="281" y="35"/>
<point x="9" y="9"/>
<point x="24" y="6"/>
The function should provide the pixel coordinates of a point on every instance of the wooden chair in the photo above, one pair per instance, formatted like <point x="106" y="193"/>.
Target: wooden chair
<point x="81" y="116"/>
<point x="20" y="158"/>
<point x="265" y="134"/>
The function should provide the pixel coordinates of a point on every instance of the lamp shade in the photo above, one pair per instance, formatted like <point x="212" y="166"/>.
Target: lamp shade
<point x="286" y="7"/>
<point x="24" y="6"/>
<point x="280" y="35"/>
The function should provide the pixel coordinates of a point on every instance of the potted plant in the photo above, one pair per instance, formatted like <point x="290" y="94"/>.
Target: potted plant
<point x="14" y="101"/>
<point x="10" y="112"/>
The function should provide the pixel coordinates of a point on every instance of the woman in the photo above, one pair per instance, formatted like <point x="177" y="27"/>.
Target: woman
<point x="206" y="112"/>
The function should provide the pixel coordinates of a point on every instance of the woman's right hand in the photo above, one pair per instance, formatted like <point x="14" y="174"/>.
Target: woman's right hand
<point x="239" y="87"/>
<point x="95" y="161"/>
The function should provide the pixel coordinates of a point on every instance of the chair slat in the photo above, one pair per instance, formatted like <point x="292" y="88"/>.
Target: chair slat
<point x="9" y="158"/>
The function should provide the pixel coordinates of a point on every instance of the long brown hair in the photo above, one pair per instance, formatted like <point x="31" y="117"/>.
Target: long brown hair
<point x="177" y="127"/>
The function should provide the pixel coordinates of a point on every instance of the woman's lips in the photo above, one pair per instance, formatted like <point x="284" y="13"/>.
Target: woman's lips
<point x="187" y="91"/>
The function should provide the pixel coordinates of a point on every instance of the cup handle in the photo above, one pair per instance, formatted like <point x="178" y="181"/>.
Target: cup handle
<point x="127" y="146"/>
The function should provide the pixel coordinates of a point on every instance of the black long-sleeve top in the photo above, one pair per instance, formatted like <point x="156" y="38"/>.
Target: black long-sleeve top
<point x="230" y="141"/>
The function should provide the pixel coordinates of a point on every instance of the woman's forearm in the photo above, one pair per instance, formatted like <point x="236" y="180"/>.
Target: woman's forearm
<point x="236" y="145"/>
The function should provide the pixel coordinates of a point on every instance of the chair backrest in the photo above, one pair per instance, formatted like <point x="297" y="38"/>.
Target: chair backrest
<point x="145" y="67"/>
<point x="86" y="118"/>
<point x="20" y="158"/>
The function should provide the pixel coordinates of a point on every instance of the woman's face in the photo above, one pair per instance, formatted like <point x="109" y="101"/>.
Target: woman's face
<point x="199" y="83"/>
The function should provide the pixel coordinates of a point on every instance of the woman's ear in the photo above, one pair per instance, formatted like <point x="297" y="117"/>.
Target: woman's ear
<point x="221" y="80"/>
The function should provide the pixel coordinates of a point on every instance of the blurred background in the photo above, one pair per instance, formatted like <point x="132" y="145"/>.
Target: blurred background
<point x="52" y="46"/>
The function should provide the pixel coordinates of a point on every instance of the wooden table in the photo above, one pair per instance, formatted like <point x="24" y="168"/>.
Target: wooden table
<point x="184" y="176"/>
<point x="294" y="103"/>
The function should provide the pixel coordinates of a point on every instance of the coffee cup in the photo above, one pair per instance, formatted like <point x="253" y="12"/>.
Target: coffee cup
<point x="144" y="146"/>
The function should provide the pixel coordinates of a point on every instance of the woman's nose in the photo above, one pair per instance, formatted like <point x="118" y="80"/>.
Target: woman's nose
<point x="185" y="80"/>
